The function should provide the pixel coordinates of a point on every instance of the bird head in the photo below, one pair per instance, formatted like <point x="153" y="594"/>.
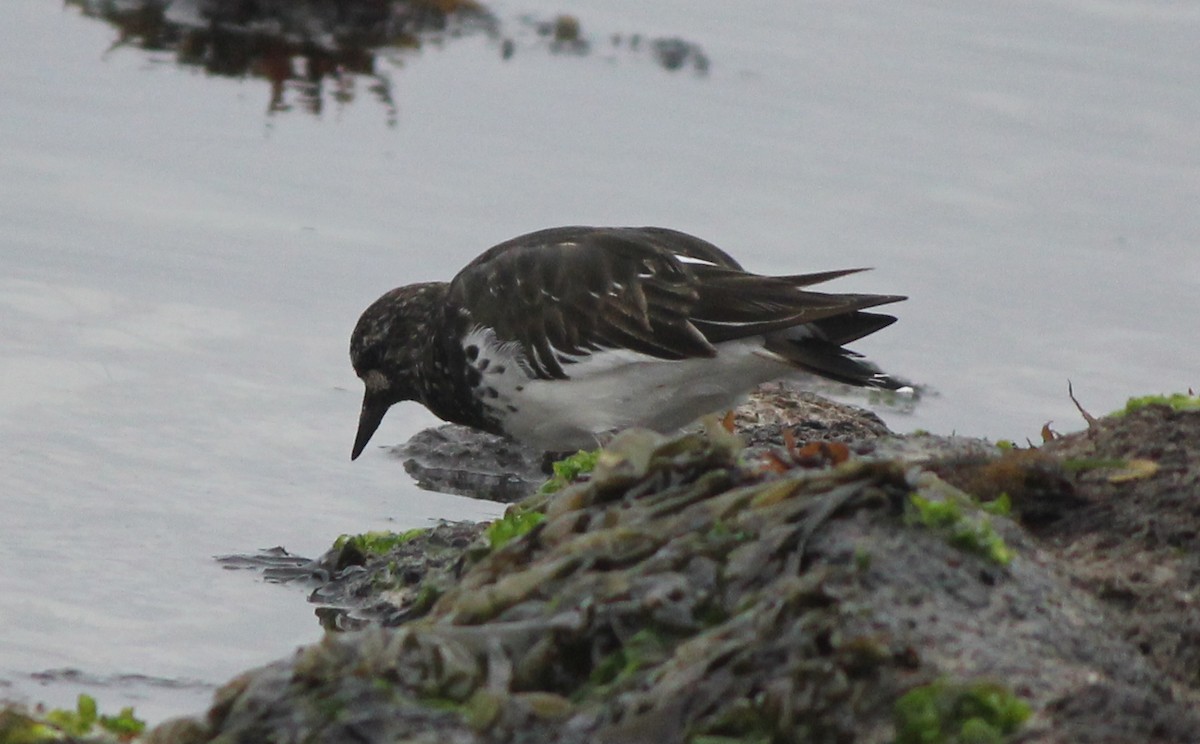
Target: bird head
<point x="386" y="350"/>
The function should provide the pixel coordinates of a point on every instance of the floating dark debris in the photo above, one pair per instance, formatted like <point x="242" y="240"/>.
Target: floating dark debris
<point x="312" y="52"/>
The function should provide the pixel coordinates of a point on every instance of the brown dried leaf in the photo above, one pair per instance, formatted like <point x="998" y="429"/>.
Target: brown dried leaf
<point x="775" y="463"/>
<point x="838" y="453"/>
<point x="824" y="453"/>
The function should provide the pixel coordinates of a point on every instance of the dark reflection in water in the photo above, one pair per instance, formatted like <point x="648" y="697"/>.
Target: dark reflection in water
<point x="313" y="51"/>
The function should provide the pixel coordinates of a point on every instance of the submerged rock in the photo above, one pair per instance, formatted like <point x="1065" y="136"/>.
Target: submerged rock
<point x="456" y="459"/>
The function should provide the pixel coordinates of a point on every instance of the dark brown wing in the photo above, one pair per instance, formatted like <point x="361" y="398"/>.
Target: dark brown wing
<point x="563" y="293"/>
<point x="662" y="238"/>
<point x="735" y="304"/>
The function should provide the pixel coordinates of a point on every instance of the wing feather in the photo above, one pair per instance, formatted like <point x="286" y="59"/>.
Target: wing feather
<point x="559" y="295"/>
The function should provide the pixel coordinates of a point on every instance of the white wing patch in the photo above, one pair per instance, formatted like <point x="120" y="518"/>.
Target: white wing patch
<point x="686" y="259"/>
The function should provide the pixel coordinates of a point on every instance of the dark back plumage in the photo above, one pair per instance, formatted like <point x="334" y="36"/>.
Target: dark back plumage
<point x="564" y="293"/>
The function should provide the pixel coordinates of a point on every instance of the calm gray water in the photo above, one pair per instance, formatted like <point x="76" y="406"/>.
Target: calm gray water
<point x="179" y="271"/>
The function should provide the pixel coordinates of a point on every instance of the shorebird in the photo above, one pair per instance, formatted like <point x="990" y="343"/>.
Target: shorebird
<point x="562" y="336"/>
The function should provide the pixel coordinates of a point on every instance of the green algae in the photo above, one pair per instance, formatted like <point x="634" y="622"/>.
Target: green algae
<point x="569" y="469"/>
<point x="1176" y="401"/>
<point x="17" y="726"/>
<point x="1001" y="506"/>
<point x="520" y="519"/>
<point x="482" y="709"/>
<point x="1084" y="464"/>
<point x="513" y="524"/>
<point x="721" y="531"/>
<point x="377" y="543"/>
<point x="971" y="533"/>
<point x="426" y="597"/>
<point x="862" y="560"/>
<point x="644" y="649"/>
<point x="20" y="727"/>
<point x="946" y="713"/>
<point x="743" y="723"/>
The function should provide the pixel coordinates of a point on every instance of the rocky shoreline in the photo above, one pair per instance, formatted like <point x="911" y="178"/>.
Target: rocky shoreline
<point x="873" y="588"/>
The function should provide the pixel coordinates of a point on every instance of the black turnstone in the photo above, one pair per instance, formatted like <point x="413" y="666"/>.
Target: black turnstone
<point x="563" y="335"/>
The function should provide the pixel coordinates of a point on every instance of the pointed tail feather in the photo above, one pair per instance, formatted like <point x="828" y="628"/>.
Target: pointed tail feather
<point x="722" y="314"/>
<point x="806" y="280"/>
<point x="844" y="329"/>
<point x="829" y="360"/>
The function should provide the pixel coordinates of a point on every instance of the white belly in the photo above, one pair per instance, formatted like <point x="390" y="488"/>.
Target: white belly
<point x="617" y="390"/>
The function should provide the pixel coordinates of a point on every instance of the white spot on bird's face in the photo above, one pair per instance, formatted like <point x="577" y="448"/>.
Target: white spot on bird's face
<point x="375" y="381"/>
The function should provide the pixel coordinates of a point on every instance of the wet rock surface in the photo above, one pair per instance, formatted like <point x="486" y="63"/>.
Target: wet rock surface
<point x="456" y="459"/>
<point x="692" y="588"/>
<point x="1133" y="539"/>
